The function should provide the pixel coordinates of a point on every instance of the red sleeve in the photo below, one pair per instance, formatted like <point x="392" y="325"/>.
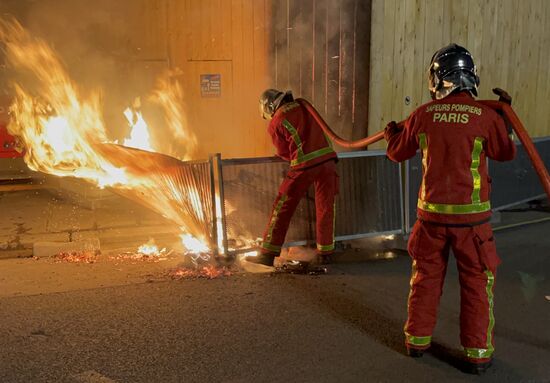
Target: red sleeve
<point x="499" y="146"/>
<point x="279" y="140"/>
<point x="402" y="143"/>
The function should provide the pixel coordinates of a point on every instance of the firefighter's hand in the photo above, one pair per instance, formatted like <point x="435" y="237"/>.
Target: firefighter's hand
<point x="391" y="129"/>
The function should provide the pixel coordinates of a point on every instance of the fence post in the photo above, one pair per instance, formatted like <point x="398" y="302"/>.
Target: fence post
<point x="214" y="218"/>
<point x="225" y="250"/>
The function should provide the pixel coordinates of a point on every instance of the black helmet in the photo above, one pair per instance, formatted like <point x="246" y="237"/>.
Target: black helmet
<point x="271" y="100"/>
<point x="452" y="68"/>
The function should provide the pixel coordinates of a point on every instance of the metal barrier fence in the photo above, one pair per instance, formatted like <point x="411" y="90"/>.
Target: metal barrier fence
<point x="369" y="202"/>
<point x="377" y="196"/>
<point x="516" y="181"/>
<point x="512" y="182"/>
<point x="184" y="192"/>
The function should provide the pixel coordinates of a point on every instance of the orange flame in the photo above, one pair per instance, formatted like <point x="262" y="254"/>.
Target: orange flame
<point x="139" y="134"/>
<point x="169" y="96"/>
<point x="59" y="132"/>
<point x="63" y="130"/>
<point x="150" y="248"/>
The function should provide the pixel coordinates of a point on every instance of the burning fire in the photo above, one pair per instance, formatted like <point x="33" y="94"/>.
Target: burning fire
<point x="150" y="248"/>
<point x="64" y="135"/>
<point x="169" y="96"/>
<point x="58" y="125"/>
<point x="193" y="244"/>
<point x="139" y="135"/>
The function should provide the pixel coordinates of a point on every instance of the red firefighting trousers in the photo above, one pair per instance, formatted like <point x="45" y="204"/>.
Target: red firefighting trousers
<point x="291" y="191"/>
<point x="477" y="260"/>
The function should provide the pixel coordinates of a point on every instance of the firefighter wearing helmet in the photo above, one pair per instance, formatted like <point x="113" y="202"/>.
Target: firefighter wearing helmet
<point x="455" y="135"/>
<point x="298" y="139"/>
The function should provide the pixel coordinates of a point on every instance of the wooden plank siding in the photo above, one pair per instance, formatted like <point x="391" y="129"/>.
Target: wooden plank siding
<point x="320" y="50"/>
<point x="509" y="41"/>
<point x="226" y="37"/>
<point x="362" y="63"/>
<point x="317" y="48"/>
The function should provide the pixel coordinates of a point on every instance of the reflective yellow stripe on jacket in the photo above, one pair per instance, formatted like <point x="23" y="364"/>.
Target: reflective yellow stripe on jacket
<point x="303" y="157"/>
<point x="477" y="206"/>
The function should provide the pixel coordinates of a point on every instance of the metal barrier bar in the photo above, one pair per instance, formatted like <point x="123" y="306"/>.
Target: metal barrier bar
<point x="221" y="191"/>
<point x="408" y="185"/>
<point x="370" y="202"/>
<point x="214" y="218"/>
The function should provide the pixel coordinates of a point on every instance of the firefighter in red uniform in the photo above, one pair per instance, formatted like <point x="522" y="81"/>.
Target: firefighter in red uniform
<point x="300" y="140"/>
<point x="456" y="135"/>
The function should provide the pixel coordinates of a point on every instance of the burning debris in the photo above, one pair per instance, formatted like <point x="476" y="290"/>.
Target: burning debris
<point x="76" y="257"/>
<point x="137" y="256"/>
<point x="127" y="256"/>
<point x="150" y="248"/>
<point x="208" y="271"/>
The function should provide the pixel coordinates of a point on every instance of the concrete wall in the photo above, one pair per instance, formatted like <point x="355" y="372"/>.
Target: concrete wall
<point x="509" y="40"/>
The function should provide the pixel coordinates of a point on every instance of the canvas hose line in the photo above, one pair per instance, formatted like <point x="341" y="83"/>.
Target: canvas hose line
<point x="502" y="106"/>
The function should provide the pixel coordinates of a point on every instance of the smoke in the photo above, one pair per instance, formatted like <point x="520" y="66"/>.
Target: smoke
<point x="321" y="52"/>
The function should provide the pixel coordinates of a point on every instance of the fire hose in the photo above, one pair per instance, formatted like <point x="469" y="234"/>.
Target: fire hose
<point x="502" y="106"/>
<point x="362" y="143"/>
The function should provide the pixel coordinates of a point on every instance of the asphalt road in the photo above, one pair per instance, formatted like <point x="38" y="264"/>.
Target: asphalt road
<point x="345" y="326"/>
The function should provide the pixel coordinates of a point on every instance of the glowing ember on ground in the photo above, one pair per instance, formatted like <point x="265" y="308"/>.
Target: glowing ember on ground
<point x="130" y="256"/>
<point x="76" y="257"/>
<point x="208" y="271"/>
<point x="88" y="257"/>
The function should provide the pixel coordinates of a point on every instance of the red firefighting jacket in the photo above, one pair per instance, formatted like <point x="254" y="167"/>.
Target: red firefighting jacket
<point x="298" y="138"/>
<point x="456" y="135"/>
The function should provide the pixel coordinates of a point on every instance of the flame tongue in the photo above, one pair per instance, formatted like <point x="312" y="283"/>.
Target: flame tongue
<point x="194" y="245"/>
<point x="58" y="126"/>
<point x="139" y="135"/>
<point x="169" y="96"/>
<point x="150" y="248"/>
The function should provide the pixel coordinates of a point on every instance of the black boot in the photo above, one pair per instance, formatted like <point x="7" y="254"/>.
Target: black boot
<point x="325" y="259"/>
<point x="476" y="368"/>
<point x="261" y="259"/>
<point x="415" y="352"/>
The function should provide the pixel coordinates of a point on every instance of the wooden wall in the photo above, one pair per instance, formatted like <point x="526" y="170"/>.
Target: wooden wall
<point x="509" y="40"/>
<point x="317" y="48"/>
<point x="226" y="37"/>
<point x="122" y="46"/>
<point x="320" y="50"/>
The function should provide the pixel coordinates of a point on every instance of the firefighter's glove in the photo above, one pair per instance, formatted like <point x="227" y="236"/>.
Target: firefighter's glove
<point x="391" y="129"/>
